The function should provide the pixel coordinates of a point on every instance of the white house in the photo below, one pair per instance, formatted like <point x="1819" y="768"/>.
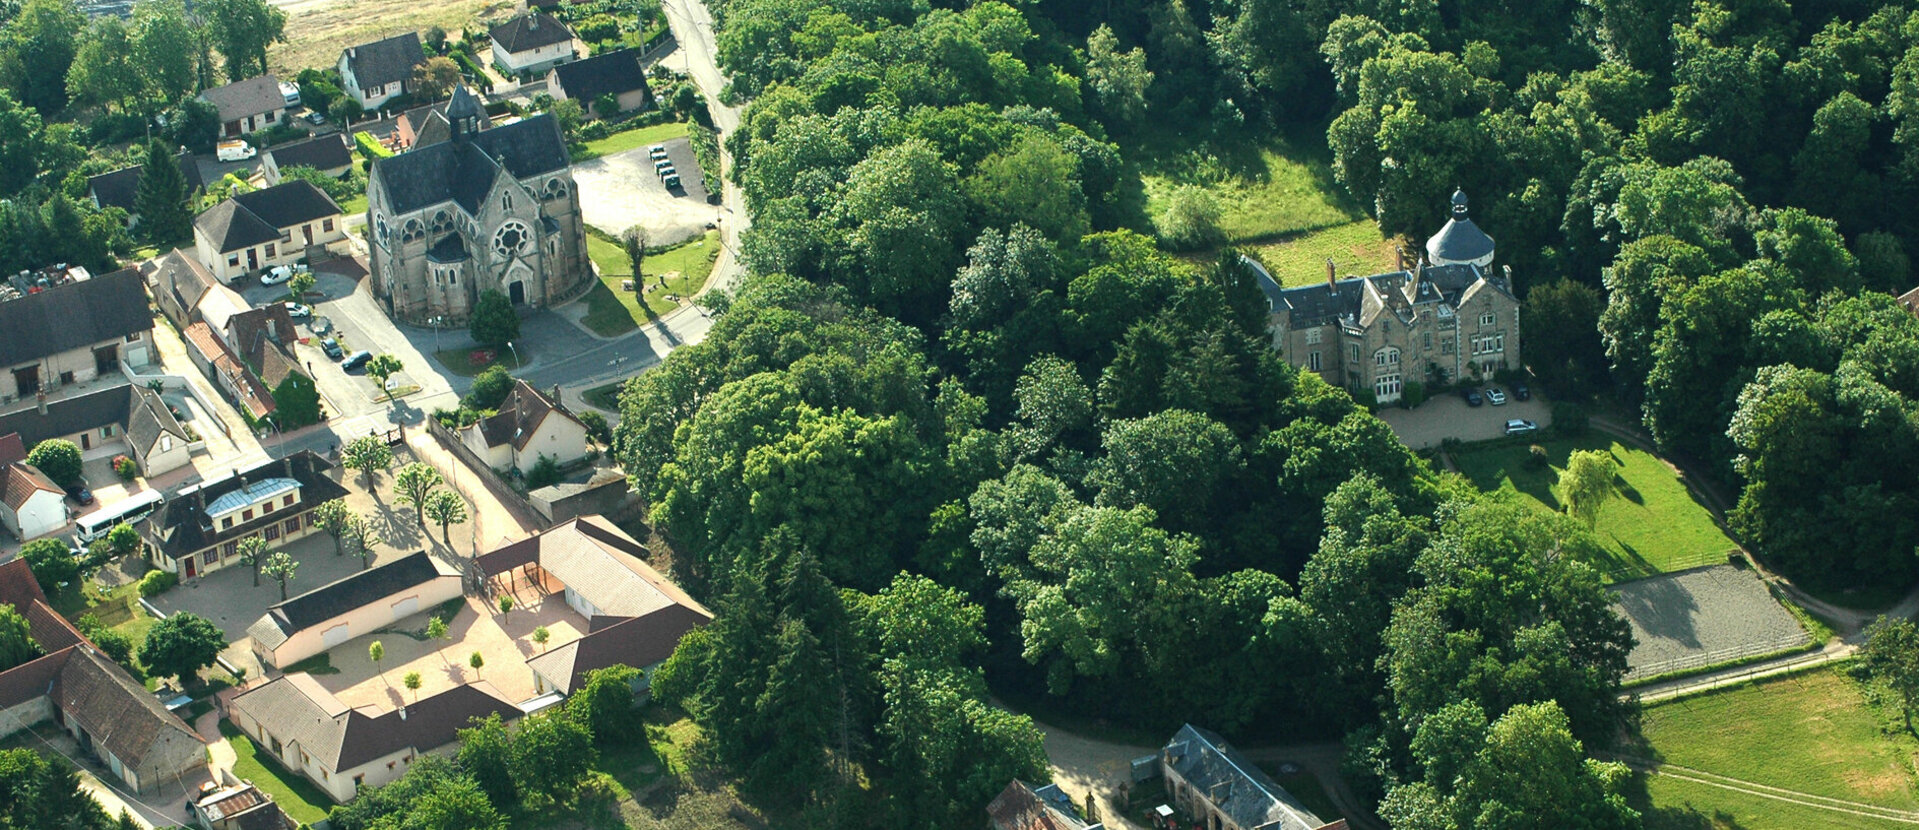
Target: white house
<point x="532" y="43"/>
<point x="253" y="231"/>
<point x="74" y="329"/>
<point x="248" y="106"/>
<point x="363" y="603"/>
<point x="375" y="72"/>
<point x="527" y="426"/>
<point x="31" y="504"/>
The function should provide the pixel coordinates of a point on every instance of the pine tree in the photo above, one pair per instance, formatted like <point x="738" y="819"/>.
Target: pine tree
<point x="161" y="199"/>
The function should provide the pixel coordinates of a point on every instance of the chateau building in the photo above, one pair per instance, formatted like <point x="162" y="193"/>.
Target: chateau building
<point x="1447" y="317"/>
<point x="468" y="210"/>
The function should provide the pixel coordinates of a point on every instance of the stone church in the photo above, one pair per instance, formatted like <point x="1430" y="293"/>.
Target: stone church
<point x="1449" y="316"/>
<point x="469" y="209"/>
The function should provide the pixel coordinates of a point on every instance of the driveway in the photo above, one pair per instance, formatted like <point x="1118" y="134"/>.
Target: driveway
<point x="621" y="190"/>
<point x="1448" y="416"/>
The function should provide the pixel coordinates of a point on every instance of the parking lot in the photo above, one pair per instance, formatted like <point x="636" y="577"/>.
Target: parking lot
<point x="622" y="190"/>
<point x="355" y="319"/>
<point x="1448" y="416"/>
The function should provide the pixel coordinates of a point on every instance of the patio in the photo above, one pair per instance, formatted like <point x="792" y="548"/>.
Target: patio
<point x="503" y="641"/>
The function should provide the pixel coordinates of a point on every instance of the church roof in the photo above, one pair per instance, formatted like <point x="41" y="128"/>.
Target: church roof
<point x="1460" y="240"/>
<point x="463" y="171"/>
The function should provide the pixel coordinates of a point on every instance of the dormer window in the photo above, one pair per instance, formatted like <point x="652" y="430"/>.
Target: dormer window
<point x="226" y="523"/>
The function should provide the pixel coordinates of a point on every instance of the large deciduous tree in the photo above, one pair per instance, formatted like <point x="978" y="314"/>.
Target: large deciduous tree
<point x="41" y="42"/>
<point x="494" y="322"/>
<point x="243" y="29"/>
<point x="181" y="645"/>
<point x="165" y="46"/>
<point x="16" y="639"/>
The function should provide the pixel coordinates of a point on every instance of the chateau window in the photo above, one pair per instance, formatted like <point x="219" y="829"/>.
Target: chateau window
<point x="246" y="515"/>
<point x="1488" y="319"/>
<point x="1388" y="356"/>
<point x="1492" y="344"/>
<point x="1312" y="361"/>
<point x="1428" y="339"/>
<point x="1312" y="336"/>
<point x="1352" y="353"/>
<point x="1386" y="386"/>
<point x="293" y="526"/>
<point x="211" y="556"/>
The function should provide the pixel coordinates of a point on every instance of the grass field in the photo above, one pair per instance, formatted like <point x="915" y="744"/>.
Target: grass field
<point x="317" y="30"/>
<point x="1652" y="526"/>
<point x="302" y="801"/>
<point x="1267" y="185"/>
<point x="1356" y="248"/>
<point x="612" y="310"/>
<point x="619" y="142"/>
<point x="460" y="361"/>
<point x="1811" y="733"/>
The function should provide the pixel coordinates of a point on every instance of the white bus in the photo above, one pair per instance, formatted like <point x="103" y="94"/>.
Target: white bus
<point x="100" y="522"/>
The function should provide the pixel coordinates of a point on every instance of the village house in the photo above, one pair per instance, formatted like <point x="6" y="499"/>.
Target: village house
<point x="275" y="226"/>
<point x="121" y="187"/>
<point x="330" y="154"/>
<point x="363" y="603"/>
<point x="428" y="124"/>
<point x="209" y="352"/>
<point x="262" y="339"/>
<point x="31" y="505"/>
<point x="66" y="327"/>
<point x="1209" y="780"/>
<point x="116" y="418"/>
<point x="1446" y="318"/>
<point x="374" y="73"/>
<point x="531" y="43"/>
<point x="342" y="749"/>
<point x="188" y="293"/>
<point x="527" y="426"/>
<point x="199" y="527"/>
<point x="248" y="106"/>
<point x="616" y="73"/>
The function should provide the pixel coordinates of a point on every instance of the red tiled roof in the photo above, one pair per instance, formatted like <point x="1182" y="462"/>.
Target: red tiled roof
<point x="19" y="481"/>
<point x="202" y="337"/>
<point x="12" y="448"/>
<point x="17" y="585"/>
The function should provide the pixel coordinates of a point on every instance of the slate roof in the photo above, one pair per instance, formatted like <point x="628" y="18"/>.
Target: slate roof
<point x="252" y="391"/>
<point x="602" y="564"/>
<point x="177" y="526"/>
<point x="250" y="219"/>
<point x="19" y="481"/>
<point x="322" y="153"/>
<point x="296" y="708"/>
<point x="341" y="596"/>
<point x="413" y="125"/>
<point x="518" y="417"/>
<point x="182" y="278"/>
<point x="1460" y="240"/>
<point x="530" y="31"/>
<point x="1232" y="784"/>
<point x="637" y="641"/>
<point x="77" y="315"/>
<point x="253" y="96"/>
<point x="12" y="448"/>
<point x="256" y="344"/>
<point x="609" y="73"/>
<point x="462" y="171"/>
<point x="115" y="708"/>
<point x="385" y="61"/>
<point x="148" y="418"/>
<point x="1021" y="806"/>
<point x="120" y="187"/>
<point x="69" y="415"/>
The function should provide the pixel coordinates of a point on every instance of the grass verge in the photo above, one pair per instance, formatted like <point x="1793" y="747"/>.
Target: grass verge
<point x="605" y="397"/>
<point x="1652" y="526"/>
<point x="302" y="801"/>
<point x="461" y="362"/>
<point x="317" y="664"/>
<point x="623" y="141"/>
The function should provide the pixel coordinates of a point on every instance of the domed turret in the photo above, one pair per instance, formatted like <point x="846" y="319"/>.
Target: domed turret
<point x="1461" y="242"/>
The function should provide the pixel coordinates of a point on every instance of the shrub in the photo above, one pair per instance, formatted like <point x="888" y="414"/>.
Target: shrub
<point x="59" y="459"/>
<point x="1413" y="394"/>
<point x="490" y="388"/>
<point x="125" y="468"/>
<point x="115" y="127"/>
<point x="157" y="582"/>
<point x="117" y="646"/>
<point x="370" y="146"/>
<point x="1536" y="457"/>
<point x="1569" y="419"/>
<point x="545" y="473"/>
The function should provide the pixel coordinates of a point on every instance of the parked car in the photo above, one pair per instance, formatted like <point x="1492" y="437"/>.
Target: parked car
<point x="299" y="311"/>
<point x="1497" y="397"/>
<point x="332" y="348"/>
<point x="79" y="493"/>
<point x="672" y="181"/>
<point x="1522" y="392"/>
<point x="657" y="152"/>
<point x="276" y="275"/>
<point x="1518" y="426"/>
<point x="1472" y="397"/>
<point x="235" y="150"/>
<point x="662" y="167"/>
<point x="358" y="360"/>
<point x="315" y="117"/>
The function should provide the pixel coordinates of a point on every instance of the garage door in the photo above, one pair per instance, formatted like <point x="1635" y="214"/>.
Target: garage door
<point x="406" y="607"/>
<point x="335" y="635"/>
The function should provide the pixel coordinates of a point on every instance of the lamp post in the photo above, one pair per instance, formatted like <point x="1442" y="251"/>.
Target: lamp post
<point x="516" y="355"/>
<point x="437" y="320"/>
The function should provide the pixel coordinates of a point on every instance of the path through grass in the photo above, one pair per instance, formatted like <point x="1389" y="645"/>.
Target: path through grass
<point x="1653" y="526"/>
<point x="302" y="801"/>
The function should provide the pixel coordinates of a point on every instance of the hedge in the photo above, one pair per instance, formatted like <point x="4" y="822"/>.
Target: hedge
<point x="370" y="146"/>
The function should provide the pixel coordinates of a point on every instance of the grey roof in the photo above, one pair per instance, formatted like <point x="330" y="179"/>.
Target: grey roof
<point x="249" y="219"/>
<point x="1234" y="785"/>
<point x="530" y="31"/>
<point x="1460" y="240"/>
<point x="253" y="96"/>
<point x="323" y="153"/>
<point x="638" y="642"/>
<point x="463" y="104"/>
<point x="148" y="418"/>
<point x="294" y="708"/>
<point x="609" y="73"/>
<point x="179" y="527"/>
<point x="77" y="315"/>
<point x="385" y="61"/>
<point x="119" y="712"/>
<point x="69" y="415"/>
<point x="462" y="171"/>
<point x="343" y="595"/>
<point x="1320" y="304"/>
<point x="121" y="187"/>
<point x="183" y="278"/>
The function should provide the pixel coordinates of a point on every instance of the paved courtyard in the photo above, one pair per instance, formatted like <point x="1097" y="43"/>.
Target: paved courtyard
<point x="1701" y="617"/>
<point x="503" y="641"/>
<point x="621" y="190"/>
<point x="1447" y="416"/>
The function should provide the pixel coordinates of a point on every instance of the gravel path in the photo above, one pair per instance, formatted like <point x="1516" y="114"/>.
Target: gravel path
<point x="1700" y="617"/>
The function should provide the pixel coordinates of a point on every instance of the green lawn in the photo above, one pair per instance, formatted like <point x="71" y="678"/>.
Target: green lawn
<point x="612" y="310"/>
<point x="605" y="397"/>
<point x="1355" y="248"/>
<point x="1653" y="526"/>
<point x="461" y="362"/>
<point x="354" y="206"/>
<point x="1809" y="733"/>
<point x="619" y="142"/>
<point x="1267" y="185"/>
<point x="302" y="801"/>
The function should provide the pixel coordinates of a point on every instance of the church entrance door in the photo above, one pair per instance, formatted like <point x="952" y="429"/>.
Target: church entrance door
<point x="517" y="292"/>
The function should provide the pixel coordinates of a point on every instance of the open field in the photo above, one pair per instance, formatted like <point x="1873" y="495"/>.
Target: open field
<point x="1652" y="526"/>
<point x="1266" y="185"/>
<point x="318" y="29"/>
<point x="1811" y="733"/>
<point x="1356" y="249"/>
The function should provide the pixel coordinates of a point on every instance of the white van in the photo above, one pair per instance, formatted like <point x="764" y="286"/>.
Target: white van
<point x="99" y="523"/>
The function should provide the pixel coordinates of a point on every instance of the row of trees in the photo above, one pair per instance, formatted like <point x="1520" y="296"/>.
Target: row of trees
<point x="53" y="55"/>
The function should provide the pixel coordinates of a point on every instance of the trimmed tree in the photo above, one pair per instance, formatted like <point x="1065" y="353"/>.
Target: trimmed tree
<point x="436" y="631"/>
<point x="59" y="459"/>
<point x="540" y="636"/>
<point x="367" y="454"/>
<point x="414" y="483"/>
<point x="280" y="566"/>
<point x="161" y="198"/>
<point x="383" y="367"/>
<point x="446" y="508"/>
<point x="494" y="321"/>
<point x="361" y="534"/>
<point x="253" y="552"/>
<point x="181" y="645"/>
<point x="477" y="662"/>
<point x="411" y="680"/>
<point x="334" y="518"/>
<point x="376" y="651"/>
<point x="16" y="639"/>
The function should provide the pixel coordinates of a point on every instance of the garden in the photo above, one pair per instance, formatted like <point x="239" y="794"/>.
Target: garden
<point x="672" y="275"/>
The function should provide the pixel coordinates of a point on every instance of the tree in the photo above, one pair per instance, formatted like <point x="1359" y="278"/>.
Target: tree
<point x="165" y="44"/>
<point x="445" y="508"/>
<point x="303" y="282"/>
<point x="280" y="566"/>
<point x="596" y="427"/>
<point x="123" y="540"/>
<point x="551" y="755"/>
<point x="253" y="553"/>
<point x="1892" y="658"/>
<point x="1035" y="181"/>
<point x="37" y="792"/>
<point x="1191" y="219"/>
<point x="367" y="454"/>
<point x="607" y="106"/>
<point x="486" y="753"/>
<point x="334" y="517"/>
<point x="436" y="78"/>
<point x="22" y="153"/>
<point x="42" y="40"/>
<point x="435" y="632"/>
<point x="477" y="662"/>
<point x="376" y="651"/>
<point x="161" y="198"/>
<point x="103" y="71"/>
<point x="1586" y="483"/>
<point x="633" y="241"/>
<point x="1525" y="770"/>
<point x="181" y="645"/>
<point x="243" y="29"/>
<point x="413" y="484"/>
<point x="604" y="703"/>
<point x="435" y="38"/>
<point x="494" y="322"/>
<point x="411" y="680"/>
<point x="16" y="639"/>
<point x="540" y="636"/>
<point x="360" y="536"/>
<point x="382" y="367"/>
<point x="506" y="604"/>
<point x="489" y="390"/>
<point x="345" y="110"/>
<point x="567" y="114"/>
<point x="1562" y="336"/>
<point x="1119" y="79"/>
<point x="59" y="459"/>
<point x="52" y="564"/>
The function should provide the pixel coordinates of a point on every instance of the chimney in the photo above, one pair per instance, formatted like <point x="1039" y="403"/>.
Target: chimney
<point x="533" y="21"/>
<point x="1507" y="270"/>
<point x="286" y="467"/>
<point x="200" y="498"/>
<point x="273" y="330"/>
<point x="1331" y="280"/>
